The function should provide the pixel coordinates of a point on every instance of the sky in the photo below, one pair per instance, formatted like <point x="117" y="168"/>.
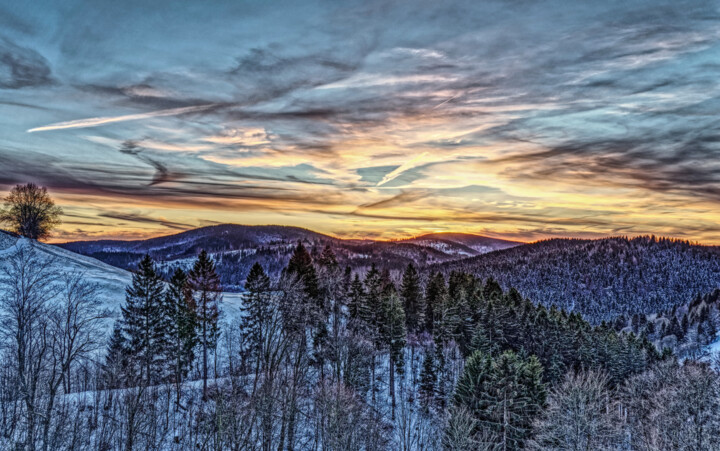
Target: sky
<point x="366" y="119"/>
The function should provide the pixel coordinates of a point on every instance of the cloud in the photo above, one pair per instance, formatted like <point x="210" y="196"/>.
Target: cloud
<point x="462" y="113"/>
<point x="98" y="121"/>
<point x="409" y="164"/>
<point x="22" y="67"/>
<point x="136" y="217"/>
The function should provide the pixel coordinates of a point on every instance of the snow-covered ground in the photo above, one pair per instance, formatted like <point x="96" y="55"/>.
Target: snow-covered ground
<point x="110" y="281"/>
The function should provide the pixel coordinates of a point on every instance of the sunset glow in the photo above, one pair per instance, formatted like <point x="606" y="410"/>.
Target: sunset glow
<point x="366" y="119"/>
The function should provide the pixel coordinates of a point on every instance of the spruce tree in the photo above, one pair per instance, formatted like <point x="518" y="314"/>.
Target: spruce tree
<point x="392" y="330"/>
<point x="182" y="327"/>
<point x="327" y="257"/>
<point x="370" y="314"/>
<point x="492" y="289"/>
<point x="301" y="266"/>
<point x="256" y="313"/>
<point x="505" y="394"/>
<point x="373" y="302"/>
<point x="356" y="299"/>
<point x="207" y="293"/>
<point x="428" y="379"/>
<point x="435" y="294"/>
<point x="412" y="299"/>
<point x="116" y="360"/>
<point x="145" y="323"/>
<point x="482" y="342"/>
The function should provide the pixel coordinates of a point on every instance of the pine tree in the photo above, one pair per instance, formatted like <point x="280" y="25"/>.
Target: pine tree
<point x="428" y="379"/>
<point x="412" y="299"/>
<point x="145" y="323"/>
<point x="182" y="327"/>
<point x="373" y="302"/>
<point x="356" y="299"/>
<point x="205" y="285"/>
<point x="116" y="359"/>
<point x="392" y="330"/>
<point x="301" y="266"/>
<point x="482" y="342"/>
<point x="492" y="289"/>
<point x="256" y="313"/>
<point x="505" y="394"/>
<point x="435" y="294"/>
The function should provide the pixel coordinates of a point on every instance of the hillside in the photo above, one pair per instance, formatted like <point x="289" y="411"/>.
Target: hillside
<point x="602" y="278"/>
<point x="461" y="244"/>
<point x="236" y="248"/>
<point x="110" y="281"/>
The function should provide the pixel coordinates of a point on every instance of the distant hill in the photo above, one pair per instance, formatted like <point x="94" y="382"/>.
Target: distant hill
<point x="461" y="244"/>
<point x="236" y="248"/>
<point x="602" y="278"/>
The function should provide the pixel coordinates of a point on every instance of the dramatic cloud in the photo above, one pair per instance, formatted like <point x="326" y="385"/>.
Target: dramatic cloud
<point x="369" y="118"/>
<point x="21" y="67"/>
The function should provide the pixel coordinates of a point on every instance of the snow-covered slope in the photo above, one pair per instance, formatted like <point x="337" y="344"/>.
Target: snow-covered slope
<point x="462" y="244"/>
<point x="111" y="281"/>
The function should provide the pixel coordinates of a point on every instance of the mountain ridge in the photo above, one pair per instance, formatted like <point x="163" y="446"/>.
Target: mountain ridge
<point x="236" y="247"/>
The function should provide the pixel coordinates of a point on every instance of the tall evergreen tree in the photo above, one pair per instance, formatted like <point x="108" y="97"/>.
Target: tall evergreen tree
<point x="435" y="294"/>
<point x="116" y="359"/>
<point x="372" y="308"/>
<point x="412" y="299"/>
<point x="207" y="293"/>
<point x="428" y="379"/>
<point x="392" y="330"/>
<point x="356" y="299"/>
<point x="144" y="323"/>
<point x="256" y="314"/>
<point x="505" y="394"/>
<point x="301" y="266"/>
<point x="182" y="327"/>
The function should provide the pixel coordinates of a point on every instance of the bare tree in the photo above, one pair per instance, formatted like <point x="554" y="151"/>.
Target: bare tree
<point x="29" y="284"/>
<point x="30" y="211"/>
<point x="580" y="415"/>
<point x="673" y="406"/>
<point x="75" y="331"/>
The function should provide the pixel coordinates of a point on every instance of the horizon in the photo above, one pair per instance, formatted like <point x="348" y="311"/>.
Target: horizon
<point x="366" y="120"/>
<point x="53" y="240"/>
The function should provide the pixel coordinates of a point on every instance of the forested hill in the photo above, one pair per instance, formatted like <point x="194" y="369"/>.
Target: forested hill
<point x="235" y="248"/>
<point x="602" y="278"/>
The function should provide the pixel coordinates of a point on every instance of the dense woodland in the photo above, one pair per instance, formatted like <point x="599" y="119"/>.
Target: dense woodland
<point x="324" y="357"/>
<point x="602" y="278"/>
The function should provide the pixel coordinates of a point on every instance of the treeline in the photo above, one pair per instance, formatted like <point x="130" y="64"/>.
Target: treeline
<point x="324" y="357"/>
<point x="602" y="279"/>
<point x="686" y="329"/>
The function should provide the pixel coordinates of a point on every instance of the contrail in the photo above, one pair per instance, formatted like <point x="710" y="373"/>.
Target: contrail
<point x="392" y="175"/>
<point x="97" y="121"/>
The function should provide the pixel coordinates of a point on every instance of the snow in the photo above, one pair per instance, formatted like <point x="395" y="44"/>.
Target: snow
<point x="713" y="349"/>
<point x="111" y="281"/>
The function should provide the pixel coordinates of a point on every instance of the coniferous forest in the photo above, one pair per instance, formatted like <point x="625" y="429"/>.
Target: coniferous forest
<point x="324" y="357"/>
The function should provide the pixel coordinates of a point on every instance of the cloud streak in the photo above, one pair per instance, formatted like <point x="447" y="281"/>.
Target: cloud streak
<point x="583" y="121"/>
<point x="98" y="121"/>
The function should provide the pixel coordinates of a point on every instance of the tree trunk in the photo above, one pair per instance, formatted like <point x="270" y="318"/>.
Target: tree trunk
<point x="205" y="365"/>
<point x="392" y="387"/>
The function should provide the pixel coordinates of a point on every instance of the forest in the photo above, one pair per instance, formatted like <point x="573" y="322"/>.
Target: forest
<point x="602" y="278"/>
<point x="324" y="357"/>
